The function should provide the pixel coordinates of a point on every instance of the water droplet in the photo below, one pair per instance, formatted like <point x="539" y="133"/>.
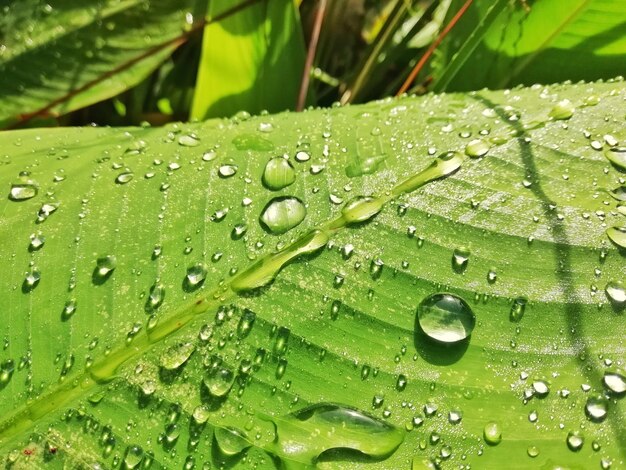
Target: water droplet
<point x="298" y="436"/>
<point x="33" y="276"/>
<point x="597" y="408"/>
<point x="68" y="310"/>
<point x="278" y="174"/>
<point x="124" y="177"/>
<point x="226" y="171"/>
<point x="239" y="231"/>
<point x="518" y="309"/>
<point x="45" y="211"/>
<point x="245" y="323"/>
<point x="617" y="156"/>
<point x="617" y="235"/>
<point x="615" y="382"/>
<point x="218" y="381"/>
<point x="189" y="140"/>
<point x="209" y="156"/>
<point x="105" y="266"/>
<point x="155" y="298"/>
<point x="36" y="242"/>
<point x="175" y="356"/>
<point x="446" y="318"/>
<point x="564" y="109"/>
<point x="477" y="148"/>
<point x="455" y="416"/>
<point x="195" y="277"/>
<point x="361" y="209"/>
<point x="282" y="338"/>
<point x="492" y="276"/>
<point x="7" y="368"/>
<point x="492" y="434"/>
<point x="460" y="259"/>
<point x="376" y="268"/>
<point x="302" y="156"/>
<point x="616" y="292"/>
<point x="619" y="193"/>
<point x="133" y="457"/>
<point x="444" y="165"/>
<point x="282" y="214"/>
<point x="540" y="389"/>
<point x="575" y="441"/>
<point x="22" y="191"/>
<point x="230" y="441"/>
<point x="172" y="432"/>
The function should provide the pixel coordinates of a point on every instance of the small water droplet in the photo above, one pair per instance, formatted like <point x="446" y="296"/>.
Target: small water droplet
<point x="33" y="276"/>
<point x="218" y="380"/>
<point x="195" y="277"/>
<point x="282" y="338"/>
<point x="282" y="214"/>
<point x="492" y="433"/>
<point x="460" y="259"/>
<point x="189" y="140"/>
<point x="302" y="156"/>
<point x="105" y="266"/>
<point x="455" y="416"/>
<point x="446" y="318"/>
<point x="245" y="323"/>
<point x="518" y="309"/>
<point x="376" y="268"/>
<point x="124" y="177"/>
<point x="615" y="382"/>
<point x="7" y="368"/>
<point x="133" y="457"/>
<point x="616" y="292"/>
<point x="175" y="356"/>
<point x="230" y="441"/>
<point x="492" y="276"/>
<point x="540" y="388"/>
<point x="596" y="408"/>
<point x="36" y="242"/>
<point x="155" y="298"/>
<point x="278" y="174"/>
<point x="22" y="191"/>
<point x="575" y="441"/>
<point x="69" y="309"/>
<point x="477" y="148"/>
<point x="226" y="171"/>
<point x="564" y="109"/>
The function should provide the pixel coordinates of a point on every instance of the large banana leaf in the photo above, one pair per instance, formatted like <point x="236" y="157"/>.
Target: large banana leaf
<point x="534" y="42"/>
<point x="61" y="56"/>
<point x="154" y="316"/>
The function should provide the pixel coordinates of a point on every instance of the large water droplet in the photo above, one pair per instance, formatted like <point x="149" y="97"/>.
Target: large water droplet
<point x="282" y="214"/>
<point x="278" y="174"/>
<point x="596" y="408"/>
<point x="175" y="356"/>
<point x="616" y="292"/>
<point x="22" y="191"/>
<point x="36" y="242"/>
<point x="615" y="382"/>
<point x="218" y="380"/>
<point x="105" y="266"/>
<point x="7" y="368"/>
<point x="617" y="235"/>
<point x="492" y="434"/>
<point x="189" y="140"/>
<point x="246" y="322"/>
<point x="155" y="298"/>
<point x="133" y="457"/>
<point x="617" y="156"/>
<point x="230" y="441"/>
<point x="304" y="435"/>
<point x="444" y="165"/>
<point x="195" y="277"/>
<point x="446" y="318"/>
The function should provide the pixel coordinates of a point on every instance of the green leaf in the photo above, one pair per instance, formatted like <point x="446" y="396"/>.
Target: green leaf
<point x="56" y="59"/>
<point x="251" y="62"/>
<point x="149" y="318"/>
<point x="543" y="42"/>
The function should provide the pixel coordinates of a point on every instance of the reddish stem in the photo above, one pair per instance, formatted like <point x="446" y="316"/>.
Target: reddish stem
<point x="315" y="36"/>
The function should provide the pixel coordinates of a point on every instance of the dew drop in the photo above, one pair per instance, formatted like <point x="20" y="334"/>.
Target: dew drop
<point x="282" y="214"/>
<point x="230" y="441"/>
<point x="518" y="309"/>
<point x="189" y="140"/>
<point x="617" y="156"/>
<point x="7" y="368"/>
<point x="175" y="356"/>
<point x="195" y="277"/>
<point x="226" y="171"/>
<point x="446" y="318"/>
<point x="476" y="148"/>
<point x="615" y="382"/>
<point x="564" y="109"/>
<point x="575" y="441"/>
<point x="278" y="174"/>
<point x="376" y="268"/>
<point x="155" y="298"/>
<point x="282" y="338"/>
<point x="36" y="242"/>
<point x="617" y="235"/>
<point x="302" y="156"/>
<point x="596" y="408"/>
<point x="460" y="259"/>
<point x="133" y="457"/>
<point x="246" y="322"/>
<point x="124" y="177"/>
<point x="218" y="381"/>
<point x="361" y="209"/>
<point x="616" y="292"/>
<point x="492" y="433"/>
<point x="540" y="389"/>
<point x="22" y="191"/>
<point x="33" y="276"/>
<point x="105" y="266"/>
<point x="68" y="310"/>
